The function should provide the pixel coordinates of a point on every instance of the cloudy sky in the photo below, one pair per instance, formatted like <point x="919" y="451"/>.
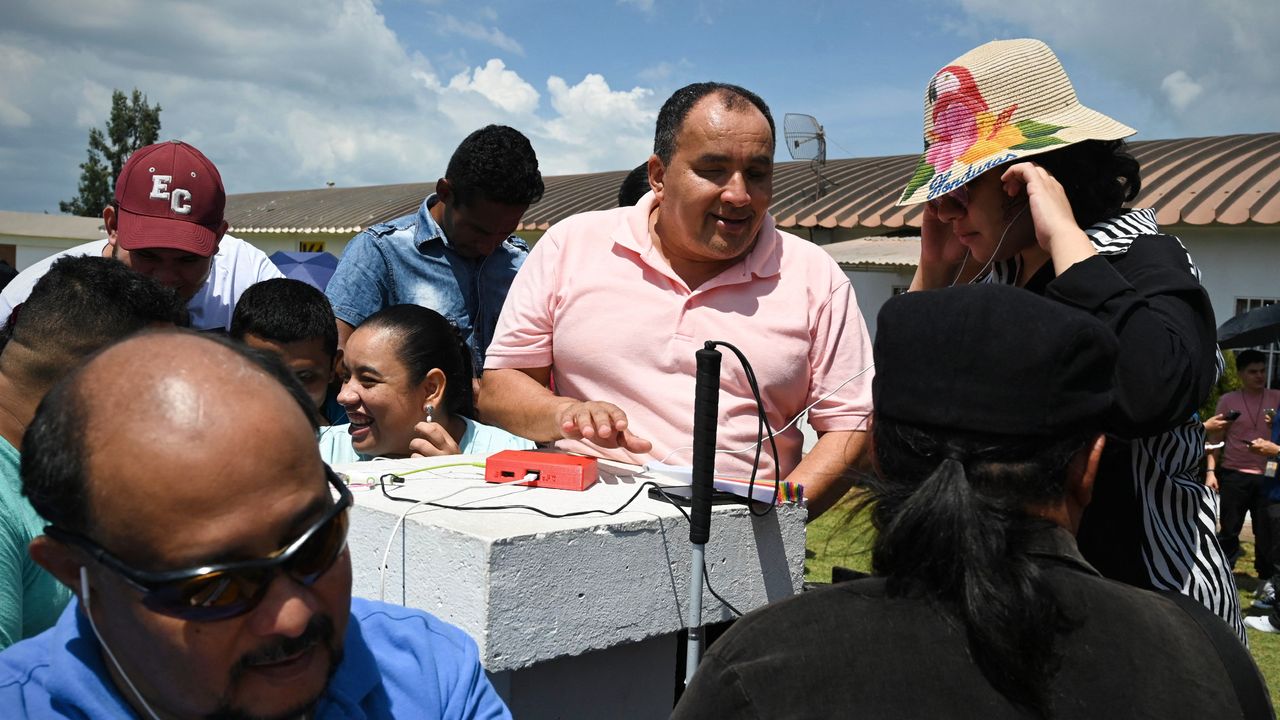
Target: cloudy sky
<point x="357" y="92"/>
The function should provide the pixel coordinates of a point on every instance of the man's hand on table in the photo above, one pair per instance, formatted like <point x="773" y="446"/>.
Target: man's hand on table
<point x="600" y="423"/>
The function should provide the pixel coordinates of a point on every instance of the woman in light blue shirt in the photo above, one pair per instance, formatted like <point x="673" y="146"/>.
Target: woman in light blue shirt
<point x="406" y="386"/>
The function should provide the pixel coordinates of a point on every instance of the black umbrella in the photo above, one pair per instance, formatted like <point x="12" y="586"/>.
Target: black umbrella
<point x="1256" y="327"/>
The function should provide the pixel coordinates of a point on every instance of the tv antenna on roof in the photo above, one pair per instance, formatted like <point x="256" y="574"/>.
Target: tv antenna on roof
<point x="807" y="141"/>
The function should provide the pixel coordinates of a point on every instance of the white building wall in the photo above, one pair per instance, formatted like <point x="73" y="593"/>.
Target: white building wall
<point x="873" y="288"/>
<point x="27" y="255"/>
<point x="29" y="250"/>
<point x="1234" y="262"/>
<point x="271" y="242"/>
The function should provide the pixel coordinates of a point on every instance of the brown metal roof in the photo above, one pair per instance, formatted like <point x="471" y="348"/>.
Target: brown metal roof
<point x="571" y="194"/>
<point x="333" y="210"/>
<point x="896" y="252"/>
<point x="1230" y="179"/>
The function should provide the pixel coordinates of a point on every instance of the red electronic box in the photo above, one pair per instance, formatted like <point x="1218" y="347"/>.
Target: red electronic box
<point x="548" y="470"/>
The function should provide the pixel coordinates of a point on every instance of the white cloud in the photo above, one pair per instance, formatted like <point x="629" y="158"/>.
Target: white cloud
<point x="593" y="98"/>
<point x="1141" y="46"/>
<point x="19" y="64"/>
<point x="280" y="97"/>
<point x="662" y="72"/>
<point x="1180" y="89"/>
<point x="449" y="25"/>
<point x="499" y="85"/>
<point x="13" y="116"/>
<point x="644" y="6"/>
<point x="596" y="124"/>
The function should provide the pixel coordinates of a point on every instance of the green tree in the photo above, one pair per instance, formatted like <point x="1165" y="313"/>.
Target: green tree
<point x="1229" y="381"/>
<point x="133" y="124"/>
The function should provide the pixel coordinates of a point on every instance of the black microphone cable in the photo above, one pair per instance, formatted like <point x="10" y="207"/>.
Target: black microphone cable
<point x="763" y="430"/>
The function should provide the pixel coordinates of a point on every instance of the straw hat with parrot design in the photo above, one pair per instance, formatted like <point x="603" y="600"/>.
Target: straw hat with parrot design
<point x="999" y="102"/>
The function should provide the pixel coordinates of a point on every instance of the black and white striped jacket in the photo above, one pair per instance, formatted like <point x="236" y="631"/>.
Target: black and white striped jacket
<point x="1155" y="527"/>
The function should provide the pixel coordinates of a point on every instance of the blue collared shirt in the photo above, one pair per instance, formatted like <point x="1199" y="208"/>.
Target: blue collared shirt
<point x="397" y="663"/>
<point x="409" y="260"/>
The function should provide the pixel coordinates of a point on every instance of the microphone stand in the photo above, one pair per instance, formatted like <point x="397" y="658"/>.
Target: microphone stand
<point x="705" y="415"/>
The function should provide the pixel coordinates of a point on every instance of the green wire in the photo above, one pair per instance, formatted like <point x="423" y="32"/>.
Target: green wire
<point x="471" y="463"/>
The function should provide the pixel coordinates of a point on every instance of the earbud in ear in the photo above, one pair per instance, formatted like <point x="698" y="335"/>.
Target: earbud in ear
<point x="84" y="586"/>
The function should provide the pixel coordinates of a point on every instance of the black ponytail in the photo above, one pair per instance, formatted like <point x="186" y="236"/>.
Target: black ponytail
<point x="949" y="511"/>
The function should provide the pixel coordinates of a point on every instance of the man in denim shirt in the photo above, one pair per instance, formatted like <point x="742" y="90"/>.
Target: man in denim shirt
<point x="456" y="255"/>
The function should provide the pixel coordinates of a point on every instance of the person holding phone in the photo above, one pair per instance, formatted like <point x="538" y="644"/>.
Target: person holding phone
<point x="1023" y="185"/>
<point x="1240" y="468"/>
<point x="1216" y="424"/>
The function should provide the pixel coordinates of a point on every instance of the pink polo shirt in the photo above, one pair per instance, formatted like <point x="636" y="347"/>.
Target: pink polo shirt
<point x="1251" y="424"/>
<point x="597" y="303"/>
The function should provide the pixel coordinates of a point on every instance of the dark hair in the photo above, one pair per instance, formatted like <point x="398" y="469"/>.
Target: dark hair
<point x="1099" y="177"/>
<point x="1246" y="358"/>
<point x="676" y="109"/>
<point x="284" y="310"/>
<point x="634" y="186"/>
<point x="82" y="304"/>
<point x="949" y="508"/>
<point x="425" y="341"/>
<point x="54" y="450"/>
<point x="495" y="163"/>
<point x="273" y="365"/>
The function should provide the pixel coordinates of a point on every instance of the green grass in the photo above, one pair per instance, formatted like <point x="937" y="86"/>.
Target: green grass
<point x="837" y="539"/>
<point x="1264" y="646"/>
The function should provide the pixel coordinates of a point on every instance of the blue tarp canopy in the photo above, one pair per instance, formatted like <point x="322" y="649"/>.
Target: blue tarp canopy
<point x="314" y="268"/>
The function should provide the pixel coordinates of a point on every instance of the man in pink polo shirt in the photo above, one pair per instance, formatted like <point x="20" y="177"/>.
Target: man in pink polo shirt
<point x="614" y="304"/>
<point x="1238" y="470"/>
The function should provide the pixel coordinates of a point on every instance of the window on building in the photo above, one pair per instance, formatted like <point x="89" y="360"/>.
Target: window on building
<point x="1272" y="350"/>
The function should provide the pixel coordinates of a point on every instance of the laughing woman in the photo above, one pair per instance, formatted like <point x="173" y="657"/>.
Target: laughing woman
<point x="406" y="387"/>
<point x="1025" y="186"/>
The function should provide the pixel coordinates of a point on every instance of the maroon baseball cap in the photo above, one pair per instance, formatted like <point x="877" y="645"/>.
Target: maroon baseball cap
<point x="169" y="196"/>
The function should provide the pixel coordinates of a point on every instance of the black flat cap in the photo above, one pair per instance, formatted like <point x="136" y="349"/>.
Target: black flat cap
<point x="992" y="359"/>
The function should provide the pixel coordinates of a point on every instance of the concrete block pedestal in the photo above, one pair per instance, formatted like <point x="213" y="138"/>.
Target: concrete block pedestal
<point x="574" y="617"/>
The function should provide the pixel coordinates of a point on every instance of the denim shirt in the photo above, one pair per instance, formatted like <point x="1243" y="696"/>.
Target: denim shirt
<point x="409" y="260"/>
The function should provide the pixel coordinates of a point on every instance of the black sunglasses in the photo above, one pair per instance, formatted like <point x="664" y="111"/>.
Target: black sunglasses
<point x="225" y="590"/>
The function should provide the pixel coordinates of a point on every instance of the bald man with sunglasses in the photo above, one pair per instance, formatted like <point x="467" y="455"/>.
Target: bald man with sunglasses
<point x="205" y="541"/>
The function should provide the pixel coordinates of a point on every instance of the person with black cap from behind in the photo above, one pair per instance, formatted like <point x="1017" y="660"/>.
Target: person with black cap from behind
<point x="990" y="405"/>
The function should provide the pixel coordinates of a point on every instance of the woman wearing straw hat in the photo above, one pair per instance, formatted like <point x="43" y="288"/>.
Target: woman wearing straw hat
<point x="981" y="605"/>
<point x="1024" y="186"/>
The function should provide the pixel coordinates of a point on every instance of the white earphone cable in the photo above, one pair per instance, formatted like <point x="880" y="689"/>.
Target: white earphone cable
<point x="84" y="593"/>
